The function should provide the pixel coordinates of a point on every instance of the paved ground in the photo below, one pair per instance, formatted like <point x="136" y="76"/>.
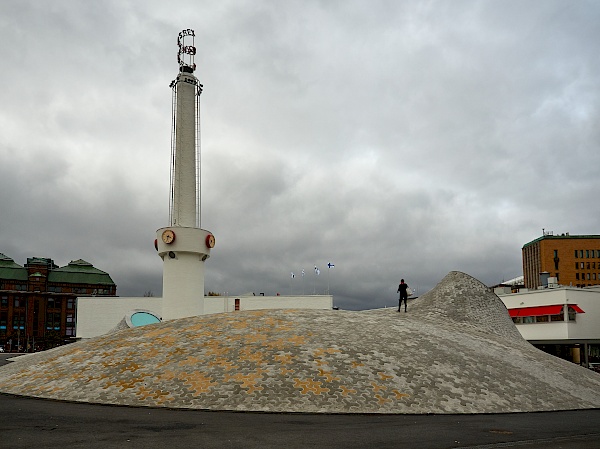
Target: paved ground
<point x="456" y="351"/>
<point x="35" y="423"/>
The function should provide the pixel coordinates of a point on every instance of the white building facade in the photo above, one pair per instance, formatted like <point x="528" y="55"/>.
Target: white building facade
<point x="99" y="315"/>
<point x="561" y="320"/>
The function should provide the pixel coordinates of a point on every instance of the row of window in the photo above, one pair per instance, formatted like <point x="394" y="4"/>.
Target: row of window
<point x="52" y="322"/>
<point x="53" y="289"/>
<point x="543" y="318"/>
<point x="587" y="276"/>
<point x="19" y="302"/>
<point x="589" y="253"/>
<point x="586" y="266"/>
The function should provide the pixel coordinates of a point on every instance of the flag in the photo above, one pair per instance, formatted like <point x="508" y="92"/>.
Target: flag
<point x="330" y="265"/>
<point x="302" y="272"/>
<point x="317" y="271"/>
<point x="293" y="275"/>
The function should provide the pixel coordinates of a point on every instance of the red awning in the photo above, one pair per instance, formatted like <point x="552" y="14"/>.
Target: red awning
<point x="542" y="310"/>
<point x="576" y="308"/>
<point x="536" y="311"/>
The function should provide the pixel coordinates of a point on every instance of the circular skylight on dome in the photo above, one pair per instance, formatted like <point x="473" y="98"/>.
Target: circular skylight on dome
<point x="139" y="318"/>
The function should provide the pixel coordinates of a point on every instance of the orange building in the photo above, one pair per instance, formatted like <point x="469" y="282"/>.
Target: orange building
<point x="572" y="259"/>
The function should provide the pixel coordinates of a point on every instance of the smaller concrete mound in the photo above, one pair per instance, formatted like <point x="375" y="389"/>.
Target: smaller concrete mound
<point x="466" y="301"/>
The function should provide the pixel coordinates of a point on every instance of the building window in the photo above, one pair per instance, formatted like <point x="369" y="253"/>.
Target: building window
<point x="70" y="303"/>
<point x="594" y="276"/>
<point x="576" y="265"/>
<point x="577" y="277"/>
<point x="53" y="321"/>
<point x="4" y="302"/>
<point x="587" y="276"/>
<point x="576" y="254"/>
<point x="581" y="253"/>
<point x="3" y="322"/>
<point x="19" y="321"/>
<point x="581" y="265"/>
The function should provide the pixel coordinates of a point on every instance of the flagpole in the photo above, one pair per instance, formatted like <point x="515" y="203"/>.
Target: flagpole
<point x="329" y="267"/>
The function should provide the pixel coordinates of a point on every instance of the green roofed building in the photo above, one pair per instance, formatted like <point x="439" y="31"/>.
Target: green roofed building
<point x="38" y="301"/>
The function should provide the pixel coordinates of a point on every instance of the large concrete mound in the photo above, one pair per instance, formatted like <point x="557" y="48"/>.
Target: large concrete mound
<point x="455" y="351"/>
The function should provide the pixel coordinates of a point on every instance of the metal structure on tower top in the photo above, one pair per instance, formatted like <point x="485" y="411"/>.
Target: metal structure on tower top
<point x="184" y="49"/>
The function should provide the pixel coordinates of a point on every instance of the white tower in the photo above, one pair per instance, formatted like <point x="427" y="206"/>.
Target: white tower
<point x="183" y="246"/>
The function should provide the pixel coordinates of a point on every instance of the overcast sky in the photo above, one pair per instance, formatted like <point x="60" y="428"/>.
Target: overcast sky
<point x="390" y="138"/>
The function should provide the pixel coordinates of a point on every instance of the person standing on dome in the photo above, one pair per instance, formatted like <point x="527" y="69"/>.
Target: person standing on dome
<point x="403" y="290"/>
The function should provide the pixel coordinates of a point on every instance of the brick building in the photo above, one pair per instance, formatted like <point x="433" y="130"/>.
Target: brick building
<point x="38" y="300"/>
<point x="574" y="260"/>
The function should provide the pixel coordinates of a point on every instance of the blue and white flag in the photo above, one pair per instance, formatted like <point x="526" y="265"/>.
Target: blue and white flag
<point x="330" y="265"/>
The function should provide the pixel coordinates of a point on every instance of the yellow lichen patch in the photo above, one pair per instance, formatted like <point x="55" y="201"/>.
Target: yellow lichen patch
<point x="347" y="391"/>
<point x="381" y="400"/>
<point x="129" y="366"/>
<point x="251" y="355"/>
<point x="377" y="387"/>
<point x="190" y="360"/>
<point x="399" y="395"/>
<point x="328" y="375"/>
<point x="285" y="371"/>
<point x="310" y="386"/>
<point x="355" y="364"/>
<point x="255" y="338"/>
<point x="384" y="376"/>
<point x="284" y="359"/>
<point x="143" y="393"/>
<point x="226" y="364"/>
<point x="151" y="352"/>
<point x="126" y="384"/>
<point x="198" y="382"/>
<point x="213" y="347"/>
<point x="155" y="333"/>
<point x="248" y="381"/>
<point x="279" y="343"/>
<point x="169" y="374"/>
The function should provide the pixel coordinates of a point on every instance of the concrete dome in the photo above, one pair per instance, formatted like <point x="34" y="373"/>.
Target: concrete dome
<point x="455" y="351"/>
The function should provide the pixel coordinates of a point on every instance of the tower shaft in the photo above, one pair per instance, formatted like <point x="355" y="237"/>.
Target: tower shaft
<point x="184" y="182"/>
<point x="183" y="246"/>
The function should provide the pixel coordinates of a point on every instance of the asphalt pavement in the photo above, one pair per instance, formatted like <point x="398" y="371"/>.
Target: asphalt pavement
<point x="36" y="423"/>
